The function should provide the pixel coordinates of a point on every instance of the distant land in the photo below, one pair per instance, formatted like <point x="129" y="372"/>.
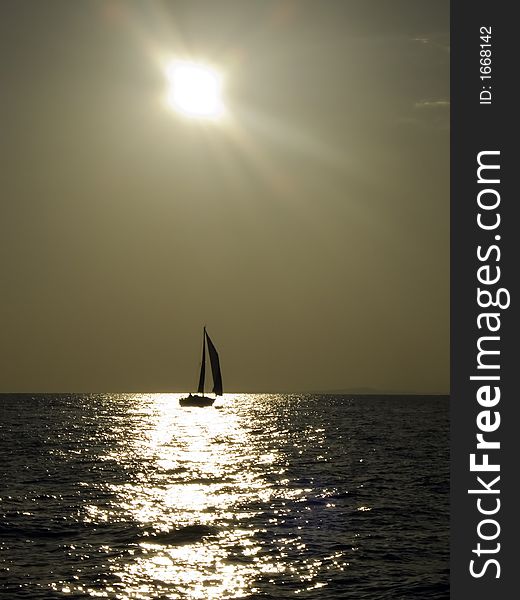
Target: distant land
<point x="355" y="391"/>
<point x="368" y="391"/>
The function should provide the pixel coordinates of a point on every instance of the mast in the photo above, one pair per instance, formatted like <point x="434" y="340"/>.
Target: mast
<point x="202" y="376"/>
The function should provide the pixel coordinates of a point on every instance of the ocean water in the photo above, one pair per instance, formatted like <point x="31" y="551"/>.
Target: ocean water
<point x="259" y="496"/>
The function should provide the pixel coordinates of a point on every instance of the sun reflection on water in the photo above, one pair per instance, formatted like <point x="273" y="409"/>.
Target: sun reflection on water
<point x="206" y="509"/>
<point x="131" y="497"/>
<point x="195" y="459"/>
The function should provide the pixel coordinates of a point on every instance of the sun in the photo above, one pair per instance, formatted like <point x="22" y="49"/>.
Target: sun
<point x="195" y="90"/>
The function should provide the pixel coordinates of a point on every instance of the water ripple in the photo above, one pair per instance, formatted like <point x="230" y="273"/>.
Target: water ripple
<point x="133" y="497"/>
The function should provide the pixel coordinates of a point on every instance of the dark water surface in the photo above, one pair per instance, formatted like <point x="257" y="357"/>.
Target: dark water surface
<point x="268" y="496"/>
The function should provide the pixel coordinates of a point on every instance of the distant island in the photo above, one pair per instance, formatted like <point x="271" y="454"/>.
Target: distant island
<point x="368" y="391"/>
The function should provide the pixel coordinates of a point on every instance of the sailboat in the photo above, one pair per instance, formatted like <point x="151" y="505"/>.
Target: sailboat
<point x="202" y="400"/>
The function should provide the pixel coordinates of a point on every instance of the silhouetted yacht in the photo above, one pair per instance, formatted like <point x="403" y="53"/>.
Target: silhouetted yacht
<point x="202" y="400"/>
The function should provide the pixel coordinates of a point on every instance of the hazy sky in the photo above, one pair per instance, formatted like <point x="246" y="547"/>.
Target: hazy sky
<point x="309" y="231"/>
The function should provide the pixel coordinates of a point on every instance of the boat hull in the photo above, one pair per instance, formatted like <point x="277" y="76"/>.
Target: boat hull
<point x="196" y="401"/>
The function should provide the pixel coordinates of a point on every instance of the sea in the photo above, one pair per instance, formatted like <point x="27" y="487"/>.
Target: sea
<point x="270" y="496"/>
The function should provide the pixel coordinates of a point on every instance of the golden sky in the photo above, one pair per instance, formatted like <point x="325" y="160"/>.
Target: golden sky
<point x="308" y="229"/>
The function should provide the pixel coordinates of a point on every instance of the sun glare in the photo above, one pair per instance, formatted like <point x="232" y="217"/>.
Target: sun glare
<point x="195" y="90"/>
